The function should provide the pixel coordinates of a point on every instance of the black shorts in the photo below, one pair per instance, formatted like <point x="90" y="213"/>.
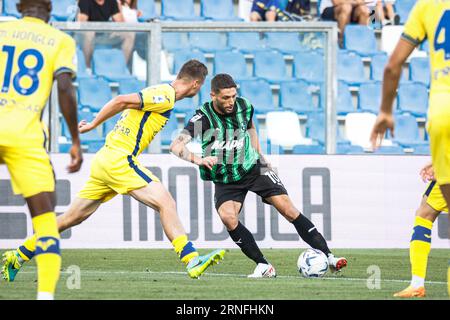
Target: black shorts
<point x="260" y="180"/>
<point x="328" y="14"/>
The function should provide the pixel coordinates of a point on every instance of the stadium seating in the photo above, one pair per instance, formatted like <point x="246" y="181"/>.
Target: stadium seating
<point x="419" y="70"/>
<point x="131" y="86"/>
<point x="172" y="41"/>
<point x="309" y="66"/>
<point x="358" y="127"/>
<point x="91" y="140"/>
<point x="350" y="68"/>
<point x="218" y="10"/>
<point x="93" y="93"/>
<point x="259" y="93"/>
<point x="205" y="91"/>
<point x="389" y="150"/>
<point x="109" y="124"/>
<point x="360" y="39"/>
<point x="231" y="62"/>
<point x="181" y="56"/>
<point x="295" y="95"/>
<point x="344" y="101"/>
<point x="208" y="41"/>
<point x="370" y="97"/>
<point x="407" y="131"/>
<point x="64" y="10"/>
<point x="182" y="10"/>
<point x="413" y="98"/>
<point x="377" y="65"/>
<point x="81" y="65"/>
<point x="186" y="106"/>
<point x="403" y="8"/>
<point x="308" y="149"/>
<point x="148" y="9"/>
<point x="110" y="64"/>
<point x="422" y="149"/>
<point x="10" y="9"/>
<point x="169" y="132"/>
<point x="342" y="148"/>
<point x="279" y="123"/>
<point x="285" y="42"/>
<point x="246" y="42"/>
<point x="270" y="65"/>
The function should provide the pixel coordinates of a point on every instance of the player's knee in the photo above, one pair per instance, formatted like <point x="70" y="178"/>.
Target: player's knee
<point x="229" y="219"/>
<point x="344" y="10"/>
<point x="427" y="213"/>
<point x="166" y="202"/>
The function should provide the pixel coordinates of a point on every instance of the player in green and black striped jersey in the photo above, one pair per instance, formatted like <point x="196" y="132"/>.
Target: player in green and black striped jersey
<point x="232" y="159"/>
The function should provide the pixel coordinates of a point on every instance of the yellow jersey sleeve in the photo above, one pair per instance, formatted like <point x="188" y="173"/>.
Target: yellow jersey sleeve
<point x="158" y="99"/>
<point x="65" y="60"/>
<point x="415" y="31"/>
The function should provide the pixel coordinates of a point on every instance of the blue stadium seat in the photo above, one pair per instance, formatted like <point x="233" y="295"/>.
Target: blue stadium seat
<point x="403" y="8"/>
<point x="246" y="42"/>
<point x="350" y="68"/>
<point x="186" y="106"/>
<point x="308" y="149"/>
<point x="389" y="150"/>
<point x="295" y="95"/>
<point x="344" y="102"/>
<point x="218" y="10"/>
<point x="377" y="65"/>
<point x="231" y="62"/>
<point x="148" y="9"/>
<point x="182" y="10"/>
<point x="316" y="129"/>
<point x="425" y="46"/>
<point x="92" y="140"/>
<point x="360" y="39"/>
<point x="10" y="8"/>
<point x="81" y="65"/>
<point x="270" y="65"/>
<point x="131" y="86"/>
<point x="169" y="132"/>
<point x="407" y="131"/>
<point x="309" y="66"/>
<point x="422" y="149"/>
<point x="208" y="41"/>
<point x="205" y="91"/>
<point x="413" y="98"/>
<point x="93" y="93"/>
<point x="172" y="41"/>
<point x="180" y="57"/>
<point x="419" y="70"/>
<point x="64" y="10"/>
<point x="259" y="93"/>
<point x="285" y="42"/>
<point x="370" y="97"/>
<point x="110" y="64"/>
<point x="349" y="149"/>
<point x="109" y="124"/>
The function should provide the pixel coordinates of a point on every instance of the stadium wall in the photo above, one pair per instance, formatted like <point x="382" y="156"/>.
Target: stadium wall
<point x="356" y="201"/>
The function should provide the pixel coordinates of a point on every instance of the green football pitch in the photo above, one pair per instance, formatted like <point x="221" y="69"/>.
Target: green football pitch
<point x="157" y="274"/>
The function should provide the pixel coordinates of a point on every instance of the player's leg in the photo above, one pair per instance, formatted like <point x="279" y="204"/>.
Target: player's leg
<point x="229" y="214"/>
<point x="88" y="46"/>
<point x="342" y="14"/>
<point x="420" y="244"/>
<point x="156" y="196"/>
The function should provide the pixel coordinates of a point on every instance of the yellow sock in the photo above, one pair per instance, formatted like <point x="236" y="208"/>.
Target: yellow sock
<point x="184" y="248"/>
<point x="48" y="258"/>
<point x="28" y="248"/>
<point x="420" y="247"/>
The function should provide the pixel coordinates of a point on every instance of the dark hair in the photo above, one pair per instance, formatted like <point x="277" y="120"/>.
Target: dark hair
<point x="222" y="81"/>
<point x="38" y="2"/>
<point x="133" y="4"/>
<point x="193" y="69"/>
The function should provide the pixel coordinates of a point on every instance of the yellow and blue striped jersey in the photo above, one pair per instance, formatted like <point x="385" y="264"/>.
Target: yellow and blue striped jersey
<point x="430" y="19"/>
<point x="32" y="53"/>
<point x="135" y="129"/>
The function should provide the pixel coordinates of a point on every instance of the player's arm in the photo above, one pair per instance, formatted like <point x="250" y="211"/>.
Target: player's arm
<point x="113" y="107"/>
<point x="68" y="106"/>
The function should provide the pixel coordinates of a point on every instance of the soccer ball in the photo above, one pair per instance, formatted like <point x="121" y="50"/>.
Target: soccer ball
<point x="312" y="263"/>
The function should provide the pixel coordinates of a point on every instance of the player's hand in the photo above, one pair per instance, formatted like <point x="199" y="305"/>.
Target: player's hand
<point x="384" y="121"/>
<point x="209" y="162"/>
<point x="427" y="173"/>
<point x="76" y="158"/>
<point x="84" y="126"/>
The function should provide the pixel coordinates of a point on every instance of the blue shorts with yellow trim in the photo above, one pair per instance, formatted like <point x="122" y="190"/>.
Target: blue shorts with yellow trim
<point x="435" y="199"/>
<point x="30" y="169"/>
<point x="113" y="172"/>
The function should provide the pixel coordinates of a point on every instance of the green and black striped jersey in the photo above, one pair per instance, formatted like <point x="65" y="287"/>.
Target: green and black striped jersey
<point x="227" y="138"/>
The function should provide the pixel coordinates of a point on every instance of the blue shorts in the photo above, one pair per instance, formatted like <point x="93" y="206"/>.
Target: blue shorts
<point x="268" y="5"/>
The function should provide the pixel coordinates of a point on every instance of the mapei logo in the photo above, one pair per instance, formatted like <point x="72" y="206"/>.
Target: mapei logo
<point x="44" y="245"/>
<point x="228" y="145"/>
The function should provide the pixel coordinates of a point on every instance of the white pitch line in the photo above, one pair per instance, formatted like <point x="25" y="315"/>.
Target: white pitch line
<point x="94" y="272"/>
